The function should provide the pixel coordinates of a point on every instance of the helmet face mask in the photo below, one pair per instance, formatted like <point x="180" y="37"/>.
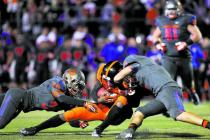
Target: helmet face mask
<point x="130" y="82"/>
<point x="74" y="80"/>
<point x="107" y="83"/>
<point x="173" y="9"/>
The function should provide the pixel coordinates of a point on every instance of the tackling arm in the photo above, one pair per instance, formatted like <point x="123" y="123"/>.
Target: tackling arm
<point x="123" y="73"/>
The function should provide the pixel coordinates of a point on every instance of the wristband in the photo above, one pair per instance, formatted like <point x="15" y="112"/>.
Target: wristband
<point x="189" y="41"/>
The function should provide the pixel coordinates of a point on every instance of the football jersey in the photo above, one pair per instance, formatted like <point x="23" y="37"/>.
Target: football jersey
<point x="44" y="95"/>
<point x="173" y="31"/>
<point x="148" y="74"/>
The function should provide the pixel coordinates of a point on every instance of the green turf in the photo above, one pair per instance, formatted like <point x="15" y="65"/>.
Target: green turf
<point x="155" y="128"/>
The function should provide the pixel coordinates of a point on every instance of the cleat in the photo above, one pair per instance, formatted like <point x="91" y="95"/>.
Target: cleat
<point x="166" y="114"/>
<point x="96" y="133"/>
<point x="28" y="131"/>
<point x="126" y="134"/>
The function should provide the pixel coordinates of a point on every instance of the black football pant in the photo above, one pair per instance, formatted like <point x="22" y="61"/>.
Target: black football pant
<point x="180" y="66"/>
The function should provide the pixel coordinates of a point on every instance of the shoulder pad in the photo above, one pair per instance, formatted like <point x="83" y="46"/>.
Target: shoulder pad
<point x="191" y="19"/>
<point x="158" y="20"/>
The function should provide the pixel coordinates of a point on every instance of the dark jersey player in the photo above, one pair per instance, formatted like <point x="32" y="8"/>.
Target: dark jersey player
<point x="112" y="110"/>
<point x="166" y="91"/>
<point x="174" y="34"/>
<point x="53" y="95"/>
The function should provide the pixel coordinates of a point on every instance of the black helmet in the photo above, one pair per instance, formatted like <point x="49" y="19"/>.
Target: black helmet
<point x="111" y="69"/>
<point x="107" y="73"/>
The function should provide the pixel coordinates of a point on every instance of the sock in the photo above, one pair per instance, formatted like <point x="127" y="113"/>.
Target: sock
<point x="206" y="124"/>
<point x="112" y="115"/>
<point x="133" y="126"/>
<point x="52" y="122"/>
<point x="74" y="123"/>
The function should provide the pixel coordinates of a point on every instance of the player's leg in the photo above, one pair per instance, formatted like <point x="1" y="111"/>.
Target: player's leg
<point x="81" y="113"/>
<point x="114" y="112"/>
<point x="11" y="106"/>
<point x="186" y="73"/>
<point x="171" y="98"/>
<point x="170" y="65"/>
<point x="55" y="121"/>
<point x="78" y="113"/>
<point x="154" y="107"/>
<point x="2" y="95"/>
<point x="126" y="113"/>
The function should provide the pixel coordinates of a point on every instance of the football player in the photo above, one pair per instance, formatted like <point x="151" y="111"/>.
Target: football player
<point x="174" y="34"/>
<point x="126" y="99"/>
<point x="53" y="95"/>
<point x="106" y="96"/>
<point x="166" y="91"/>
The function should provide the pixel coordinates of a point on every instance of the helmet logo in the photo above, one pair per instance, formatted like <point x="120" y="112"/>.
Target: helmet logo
<point x="72" y="72"/>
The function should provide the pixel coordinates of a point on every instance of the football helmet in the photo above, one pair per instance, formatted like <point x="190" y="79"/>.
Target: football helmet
<point x="173" y="8"/>
<point x="107" y="72"/>
<point x="74" y="81"/>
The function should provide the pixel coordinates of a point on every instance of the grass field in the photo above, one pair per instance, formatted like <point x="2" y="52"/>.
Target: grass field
<point x="154" y="128"/>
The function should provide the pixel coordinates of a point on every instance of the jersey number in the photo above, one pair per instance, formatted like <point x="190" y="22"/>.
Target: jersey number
<point x="171" y="32"/>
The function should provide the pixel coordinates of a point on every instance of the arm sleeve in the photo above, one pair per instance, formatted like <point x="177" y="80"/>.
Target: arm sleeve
<point x="70" y="100"/>
<point x="58" y="90"/>
<point x="94" y="91"/>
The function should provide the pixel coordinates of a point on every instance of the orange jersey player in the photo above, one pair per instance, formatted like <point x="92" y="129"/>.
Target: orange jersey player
<point x="104" y="97"/>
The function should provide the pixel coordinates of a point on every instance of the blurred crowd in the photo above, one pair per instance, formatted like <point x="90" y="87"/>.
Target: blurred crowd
<point x="42" y="38"/>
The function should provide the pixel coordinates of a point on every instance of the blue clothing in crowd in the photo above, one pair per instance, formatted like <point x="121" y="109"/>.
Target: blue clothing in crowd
<point x="197" y="55"/>
<point x="113" y="51"/>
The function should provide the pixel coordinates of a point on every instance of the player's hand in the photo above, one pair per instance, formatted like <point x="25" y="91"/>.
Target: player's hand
<point x="161" y="46"/>
<point x="90" y="106"/>
<point x="83" y="124"/>
<point x="180" y="46"/>
<point x="108" y="98"/>
<point x="195" y="99"/>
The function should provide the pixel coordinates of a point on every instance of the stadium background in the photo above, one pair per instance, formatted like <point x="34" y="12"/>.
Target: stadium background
<point x="41" y="38"/>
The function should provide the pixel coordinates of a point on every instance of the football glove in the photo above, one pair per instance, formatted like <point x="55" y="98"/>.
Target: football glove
<point x="83" y="124"/>
<point x="161" y="46"/>
<point x="90" y="106"/>
<point x="180" y="46"/>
